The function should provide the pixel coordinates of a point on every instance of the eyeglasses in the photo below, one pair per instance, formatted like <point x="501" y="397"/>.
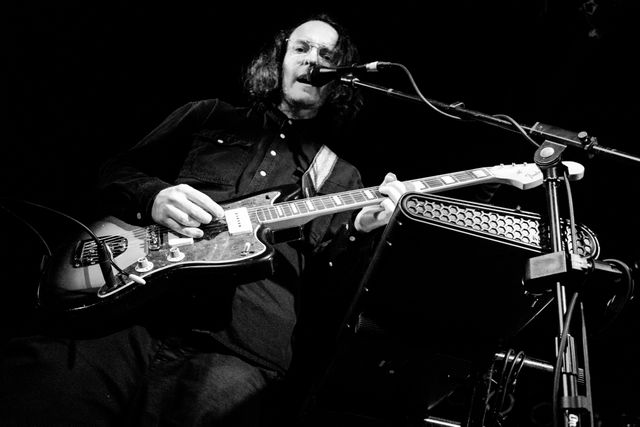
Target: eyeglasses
<point x="325" y="55"/>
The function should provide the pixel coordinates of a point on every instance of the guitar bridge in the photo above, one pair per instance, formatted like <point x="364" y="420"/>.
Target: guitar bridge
<point x="86" y="252"/>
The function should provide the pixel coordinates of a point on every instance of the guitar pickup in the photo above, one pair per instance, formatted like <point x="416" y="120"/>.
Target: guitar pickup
<point x="238" y="221"/>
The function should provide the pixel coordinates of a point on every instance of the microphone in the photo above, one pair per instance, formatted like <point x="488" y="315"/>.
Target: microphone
<point x="318" y="75"/>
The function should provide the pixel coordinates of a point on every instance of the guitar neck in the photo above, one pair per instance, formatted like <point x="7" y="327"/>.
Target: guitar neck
<point x="298" y="212"/>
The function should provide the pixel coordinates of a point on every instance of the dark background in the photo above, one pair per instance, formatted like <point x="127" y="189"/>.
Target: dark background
<point x="87" y="80"/>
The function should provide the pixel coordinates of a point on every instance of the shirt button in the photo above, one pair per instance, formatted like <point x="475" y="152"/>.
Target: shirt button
<point x="220" y="141"/>
<point x="282" y="136"/>
<point x="139" y="215"/>
<point x="272" y="152"/>
<point x="263" y="173"/>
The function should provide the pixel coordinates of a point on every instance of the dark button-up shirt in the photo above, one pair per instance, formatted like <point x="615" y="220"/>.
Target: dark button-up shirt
<point x="228" y="153"/>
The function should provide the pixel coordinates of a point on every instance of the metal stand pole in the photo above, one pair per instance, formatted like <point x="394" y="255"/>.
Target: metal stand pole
<point x="576" y="407"/>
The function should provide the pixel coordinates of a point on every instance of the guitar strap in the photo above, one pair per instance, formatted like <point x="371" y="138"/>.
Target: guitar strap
<point x="320" y="169"/>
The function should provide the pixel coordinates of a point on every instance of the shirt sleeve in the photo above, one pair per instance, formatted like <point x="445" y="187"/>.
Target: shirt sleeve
<point x="129" y="182"/>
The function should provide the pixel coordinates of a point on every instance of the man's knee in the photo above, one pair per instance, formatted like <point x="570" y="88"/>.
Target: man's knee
<point x="223" y="388"/>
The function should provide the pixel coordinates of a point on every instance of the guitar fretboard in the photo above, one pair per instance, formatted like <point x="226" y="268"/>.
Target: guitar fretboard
<point x="354" y="199"/>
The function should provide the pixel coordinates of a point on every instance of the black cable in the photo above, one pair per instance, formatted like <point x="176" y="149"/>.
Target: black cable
<point x="451" y="116"/>
<point x="69" y="217"/>
<point x="616" y="304"/>
<point x="508" y="355"/>
<point x="415" y="87"/>
<point x="515" y="377"/>
<point x="587" y="373"/>
<point x="510" y="378"/>
<point x="485" y="404"/>
<point x="519" y="127"/>
<point x="30" y="227"/>
<point x="560" y="357"/>
<point x="500" y="384"/>
<point x="102" y="247"/>
<point x="572" y="221"/>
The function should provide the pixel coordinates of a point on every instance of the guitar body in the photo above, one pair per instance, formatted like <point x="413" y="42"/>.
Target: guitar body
<point x="73" y="280"/>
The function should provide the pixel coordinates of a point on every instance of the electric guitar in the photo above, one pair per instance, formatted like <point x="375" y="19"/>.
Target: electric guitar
<point x="234" y="247"/>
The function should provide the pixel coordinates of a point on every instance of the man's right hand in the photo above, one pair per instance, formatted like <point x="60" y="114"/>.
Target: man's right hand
<point x="183" y="209"/>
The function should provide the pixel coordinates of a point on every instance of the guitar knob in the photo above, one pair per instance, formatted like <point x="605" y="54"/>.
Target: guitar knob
<point x="175" y="254"/>
<point x="143" y="265"/>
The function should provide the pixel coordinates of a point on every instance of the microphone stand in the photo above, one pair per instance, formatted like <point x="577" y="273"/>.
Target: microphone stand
<point x="548" y="158"/>
<point x="560" y="263"/>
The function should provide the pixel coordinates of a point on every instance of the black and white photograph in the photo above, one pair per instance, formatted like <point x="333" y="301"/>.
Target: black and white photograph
<point x="310" y="214"/>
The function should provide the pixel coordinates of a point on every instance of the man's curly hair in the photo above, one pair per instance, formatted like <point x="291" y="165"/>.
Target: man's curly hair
<point x="263" y="76"/>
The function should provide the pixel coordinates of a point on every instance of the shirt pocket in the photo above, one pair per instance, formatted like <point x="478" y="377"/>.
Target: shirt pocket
<point x="216" y="157"/>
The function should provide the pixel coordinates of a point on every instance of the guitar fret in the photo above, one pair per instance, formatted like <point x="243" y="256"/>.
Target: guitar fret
<point x="435" y="182"/>
<point x="286" y="209"/>
<point x="358" y="197"/>
<point x="302" y="207"/>
<point x="328" y="202"/>
<point x="261" y="214"/>
<point x="273" y="212"/>
<point x="348" y="198"/>
<point x="464" y="176"/>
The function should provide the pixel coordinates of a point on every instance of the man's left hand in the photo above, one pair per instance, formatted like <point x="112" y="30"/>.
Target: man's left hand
<point x="372" y="217"/>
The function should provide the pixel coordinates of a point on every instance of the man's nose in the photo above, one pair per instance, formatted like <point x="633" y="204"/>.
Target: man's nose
<point x="312" y="56"/>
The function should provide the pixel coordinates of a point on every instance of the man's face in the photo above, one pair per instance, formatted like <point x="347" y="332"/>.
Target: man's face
<point x="311" y="43"/>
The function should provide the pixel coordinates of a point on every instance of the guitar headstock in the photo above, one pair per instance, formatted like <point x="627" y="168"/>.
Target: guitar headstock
<point x="528" y="175"/>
